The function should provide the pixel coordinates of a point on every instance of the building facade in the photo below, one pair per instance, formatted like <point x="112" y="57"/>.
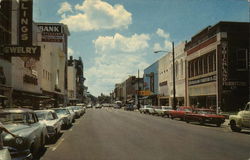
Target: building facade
<point x="75" y="80"/>
<point x="151" y="82"/>
<point x="218" y="71"/>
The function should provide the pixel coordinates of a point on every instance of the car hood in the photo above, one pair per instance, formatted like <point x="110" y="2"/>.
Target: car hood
<point x="16" y="127"/>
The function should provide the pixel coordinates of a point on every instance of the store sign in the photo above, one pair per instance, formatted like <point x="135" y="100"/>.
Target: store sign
<point x="202" y="80"/>
<point x="25" y="22"/>
<point x="21" y="51"/>
<point x="144" y="93"/>
<point x="224" y="63"/>
<point x="164" y="83"/>
<point x="30" y="80"/>
<point x="51" y="32"/>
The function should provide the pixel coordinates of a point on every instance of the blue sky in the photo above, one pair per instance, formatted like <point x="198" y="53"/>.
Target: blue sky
<point x="115" y="38"/>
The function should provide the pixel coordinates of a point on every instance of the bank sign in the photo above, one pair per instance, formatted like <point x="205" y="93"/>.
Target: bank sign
<point x="51" y="32"/>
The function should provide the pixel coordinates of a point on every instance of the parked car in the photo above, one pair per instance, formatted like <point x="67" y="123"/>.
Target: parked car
<point x="205" y="116"/>
<point x="89" y="106"/>
<point x="163" y="110"/>
<point x="52" y="122"/>
<point x="116" y="106"/>
<point x="152" y="110"/>
<point x="65" y="115"/>
<point x="73" y="114"/>
<point x="76" y="110"/>
<point x="98" y="106"/>
<point x="241" y="120"/>
<point x="24" y="123"/>
<point x="83" y="107"/>
<point x="145" y="108"/>
<point x="129" y="107"/>
<point x="180" y="112"/>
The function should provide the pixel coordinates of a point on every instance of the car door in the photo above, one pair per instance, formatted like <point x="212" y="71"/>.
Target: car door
<point x="246" y="116"/>
<point x="35" y="126"/>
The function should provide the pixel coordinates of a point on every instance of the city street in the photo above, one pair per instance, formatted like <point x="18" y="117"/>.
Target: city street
<point x="110" y="134"/>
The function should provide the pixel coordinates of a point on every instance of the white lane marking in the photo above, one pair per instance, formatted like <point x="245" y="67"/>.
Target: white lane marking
<point x="57" y="145"/>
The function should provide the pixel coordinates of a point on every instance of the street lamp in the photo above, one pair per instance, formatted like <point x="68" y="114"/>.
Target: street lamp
<point x="173" y="56"/>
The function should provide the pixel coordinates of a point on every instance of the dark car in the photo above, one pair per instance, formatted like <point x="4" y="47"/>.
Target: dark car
<point x="129" y="107"/>
<point x="24" y="123"/>
<point x="203" y="116"/>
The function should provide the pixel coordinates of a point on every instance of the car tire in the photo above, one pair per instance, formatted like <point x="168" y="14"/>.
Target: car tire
<point x="218" y="124"/>
<point x="202" y="121"/>
<point x="233" y="127"/>
<point x="42" y="146"/>
<point x="186" y="120"/>
<point x="170" y="116"/>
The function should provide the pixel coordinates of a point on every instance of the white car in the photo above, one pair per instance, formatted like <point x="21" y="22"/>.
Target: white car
<point x="145" y="108"/>
<point x="163" y="111"/>
<point x="65" y="115"/>
<point x="52" y="122"/>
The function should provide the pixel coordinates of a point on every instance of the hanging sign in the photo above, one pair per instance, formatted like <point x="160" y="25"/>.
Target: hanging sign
<point x="25" y="22"/>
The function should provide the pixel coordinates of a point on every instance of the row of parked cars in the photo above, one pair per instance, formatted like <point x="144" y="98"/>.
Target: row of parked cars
<point x="35" y="128"/>
<point x="202" y="115"/>
<point x="187" y="114"/>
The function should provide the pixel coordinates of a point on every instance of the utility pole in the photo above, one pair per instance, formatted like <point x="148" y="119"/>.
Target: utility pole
<point x="174" y="98"/>
<point x="138" y="90"/>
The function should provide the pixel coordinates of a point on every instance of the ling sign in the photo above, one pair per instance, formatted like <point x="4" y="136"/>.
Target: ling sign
<point x="25" y="22"/>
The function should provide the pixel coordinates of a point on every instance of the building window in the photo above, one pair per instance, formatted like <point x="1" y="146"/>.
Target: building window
<point x="182" y="68"/>
<point x="205" y="66"/>
<point x="242" y="59"/>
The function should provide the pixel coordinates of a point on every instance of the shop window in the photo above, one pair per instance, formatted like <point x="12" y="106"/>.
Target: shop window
<point x="242" y="59"/>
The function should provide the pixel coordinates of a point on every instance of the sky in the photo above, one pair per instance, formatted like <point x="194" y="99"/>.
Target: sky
<point x="116" y="38"/>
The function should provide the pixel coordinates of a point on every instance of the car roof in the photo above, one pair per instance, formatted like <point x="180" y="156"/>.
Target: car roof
<point x="47" y="110"/>
<point x="16" y="110"/>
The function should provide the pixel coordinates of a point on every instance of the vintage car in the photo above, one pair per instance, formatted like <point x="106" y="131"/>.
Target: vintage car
<point x="145" y="108"/>
<point x="72" y="113"/>
<point x="205" y="116"/>
<point x="180" y="112"/>
<point x="25" y="124"/>
<point x="152" y="110"/>
<point x="76" y="110"/>
<point x="53" y="124"/>
<point x="65" y="115"/>
<point x="129" y="107"/>
<point x="163" y="111"/>
<point x="241" y="120"/>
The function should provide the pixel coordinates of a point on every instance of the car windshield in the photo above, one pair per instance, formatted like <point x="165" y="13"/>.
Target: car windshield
<point x="41" y="115"/>
<point x="187" y="110"/>
<point x="167" y="108"/>
<point x="61" y="111"/>
<point x="8" y="118"/>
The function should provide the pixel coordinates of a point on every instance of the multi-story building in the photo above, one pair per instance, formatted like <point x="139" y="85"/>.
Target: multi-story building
<point x="151" y="83"/>
<point x="75" y="80"/>
<point x="53" y="61"/>
<point x="5" y="61"/>
<point x="218" y="71"/>
<point x="133" y="85"/>
<point x="180" y="75"/>
<point x="163" y="74"/>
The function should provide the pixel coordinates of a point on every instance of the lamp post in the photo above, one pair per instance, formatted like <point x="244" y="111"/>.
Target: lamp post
<point x="173" y="59"/>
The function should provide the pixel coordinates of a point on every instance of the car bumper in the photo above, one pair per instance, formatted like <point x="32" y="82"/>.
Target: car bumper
<point x="20" y="155"/>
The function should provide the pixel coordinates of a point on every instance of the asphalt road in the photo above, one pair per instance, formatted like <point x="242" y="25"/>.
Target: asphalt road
<point x="109" y="134"/>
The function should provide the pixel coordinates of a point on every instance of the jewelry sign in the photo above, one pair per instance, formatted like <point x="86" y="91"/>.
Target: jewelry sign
<point x="21" y="51"/>
<point x="25" y="22"/>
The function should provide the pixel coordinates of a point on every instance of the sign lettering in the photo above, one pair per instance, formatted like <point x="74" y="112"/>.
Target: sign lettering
<point x="21" y="51"/>
<point x="25" y="22"/>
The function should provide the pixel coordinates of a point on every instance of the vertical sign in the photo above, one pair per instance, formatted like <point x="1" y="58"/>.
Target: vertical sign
<point x="25" y="22"/>
<point x="224" y="64"/>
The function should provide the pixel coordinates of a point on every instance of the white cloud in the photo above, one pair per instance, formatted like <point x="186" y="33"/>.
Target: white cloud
<point x="116" y="60"/>
<point x="96" y="15"/>
<point x="157" y="47"/>
<point x="167" y="44"/>
<point x="65" y="7"/>
<point x="70" y="52"/>
<point x="121" y="43"/>
<point x="161" y="33"/>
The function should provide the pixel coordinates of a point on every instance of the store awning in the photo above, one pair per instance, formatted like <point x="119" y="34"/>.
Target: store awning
<point x="3" y="97"/>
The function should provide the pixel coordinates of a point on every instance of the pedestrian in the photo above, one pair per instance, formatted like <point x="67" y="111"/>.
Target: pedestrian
<point x="2" y="128"/>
